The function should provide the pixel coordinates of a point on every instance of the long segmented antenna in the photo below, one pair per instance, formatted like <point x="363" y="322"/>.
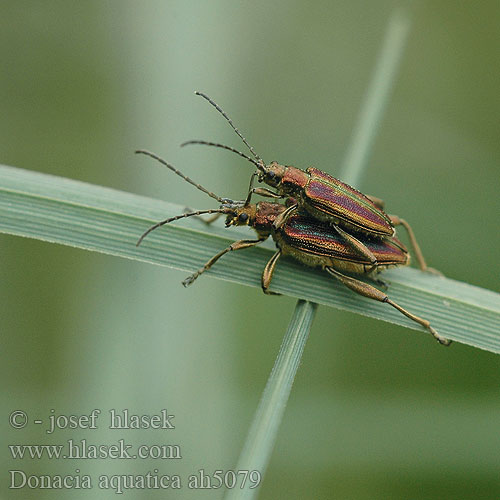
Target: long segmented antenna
<point x="223" y="113"/>
<point x="180" y="174"/>
<point x="177" y="217"/>
<point x="223" y="146"/>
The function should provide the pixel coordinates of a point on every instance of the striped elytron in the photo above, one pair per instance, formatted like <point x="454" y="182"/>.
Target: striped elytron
<point x="306" y="239"/>
<point x="350" y="212"/>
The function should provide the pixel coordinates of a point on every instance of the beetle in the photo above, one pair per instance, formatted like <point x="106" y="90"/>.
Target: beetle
<point x="306" y="239"/>
<point x="324" y="197"/>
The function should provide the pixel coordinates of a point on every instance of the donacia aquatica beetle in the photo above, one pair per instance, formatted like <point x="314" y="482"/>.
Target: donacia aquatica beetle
<point x="306" y="239"/>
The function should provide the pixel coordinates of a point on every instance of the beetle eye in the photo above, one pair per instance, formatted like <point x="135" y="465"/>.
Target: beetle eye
<point x="271" y="174"/>
<point x="243" y="217"/>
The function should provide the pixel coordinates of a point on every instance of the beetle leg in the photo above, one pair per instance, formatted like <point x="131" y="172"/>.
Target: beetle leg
<point x="356" y="245"/>
<point x="250" y="188"/>
<point x="397" y="221"/>
<point x="237" y="245"/>
<point x="267" y="275"/>
<point x="379" y="203"/>
<point x="262" y="191"/>
<point x="373" y="293"/>
<point x="266" y="192"/>
<point x="283" y="216"/>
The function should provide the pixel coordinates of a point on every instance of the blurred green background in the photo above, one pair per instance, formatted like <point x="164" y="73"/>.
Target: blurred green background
<point x="377" y="411"/>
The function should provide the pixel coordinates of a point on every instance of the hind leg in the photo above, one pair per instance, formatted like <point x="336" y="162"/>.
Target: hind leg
<point x="373" y="293"/>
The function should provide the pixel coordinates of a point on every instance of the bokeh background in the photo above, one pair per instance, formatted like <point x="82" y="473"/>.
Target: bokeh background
<point x="377" y="411"/>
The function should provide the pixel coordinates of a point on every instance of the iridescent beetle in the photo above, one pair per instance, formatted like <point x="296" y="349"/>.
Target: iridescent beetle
<point x="306" y="239"/>
<point x="350" y="212"/>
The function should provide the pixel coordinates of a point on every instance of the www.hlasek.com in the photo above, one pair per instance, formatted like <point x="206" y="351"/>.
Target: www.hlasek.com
<point x="152" y="480"/>
<point x="82" y="449"/>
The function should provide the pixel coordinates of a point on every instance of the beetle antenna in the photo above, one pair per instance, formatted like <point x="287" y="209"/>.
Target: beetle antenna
<point x="223" y="113"/>
<point x="223" y="146"/>
<point x="177" y="217"/>
<point x="180" y="174"/>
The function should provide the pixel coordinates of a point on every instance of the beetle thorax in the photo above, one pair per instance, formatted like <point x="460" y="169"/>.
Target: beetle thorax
<point x="294" y="182"/>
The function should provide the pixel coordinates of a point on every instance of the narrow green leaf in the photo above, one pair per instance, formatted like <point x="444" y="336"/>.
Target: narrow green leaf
<point x="96" y="218"/>
<point x="261" y="437"/>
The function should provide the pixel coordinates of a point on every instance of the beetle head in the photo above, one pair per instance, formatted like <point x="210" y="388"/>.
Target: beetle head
<point x="239" y="214"/>
<point x="272" y="174"/>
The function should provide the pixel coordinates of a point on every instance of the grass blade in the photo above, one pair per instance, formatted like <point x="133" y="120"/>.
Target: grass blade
<point x="261" y="437"/>
<point x="105" y="220"/>
<point x="376" y="97"/>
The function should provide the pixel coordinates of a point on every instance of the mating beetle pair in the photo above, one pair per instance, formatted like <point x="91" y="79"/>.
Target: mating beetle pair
<point x="325" y="223"/>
